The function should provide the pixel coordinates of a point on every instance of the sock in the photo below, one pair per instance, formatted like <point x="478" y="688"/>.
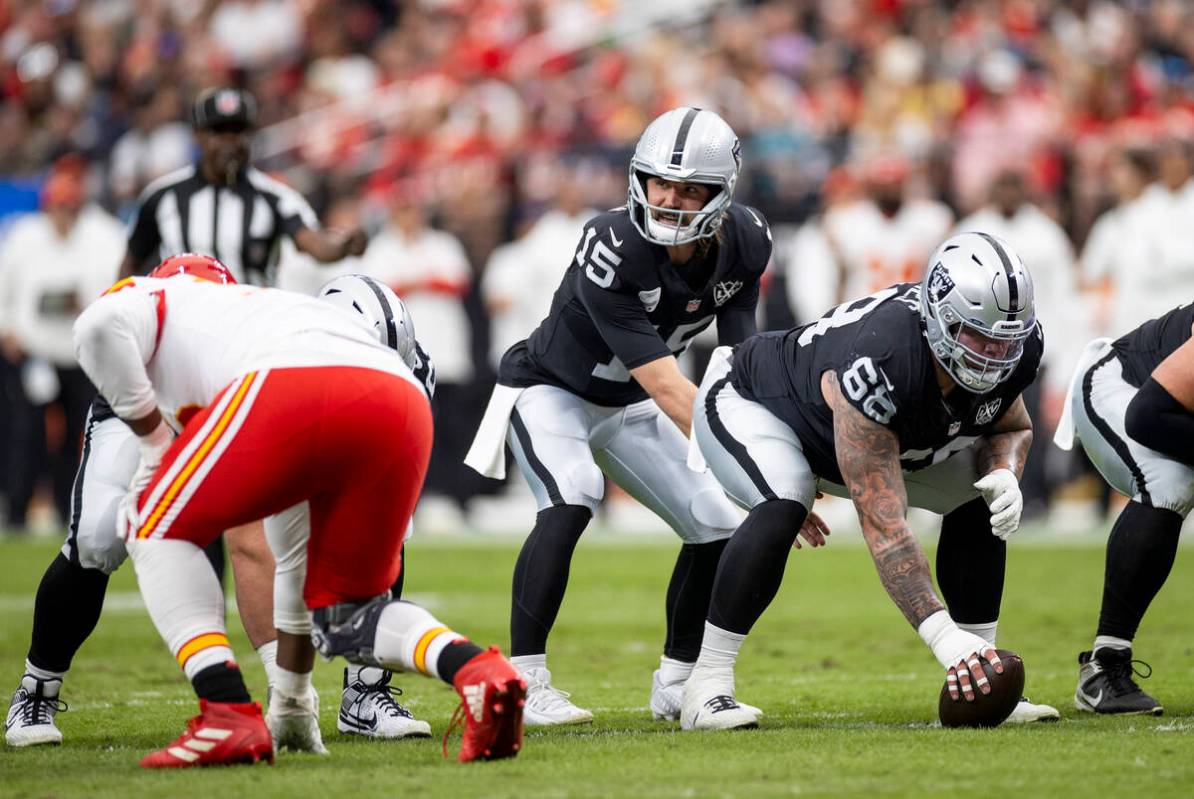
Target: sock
<point x="525" y="663"/>
<point x="688" y="598"/>
<point x="68" y="605"/>
<point x="293" y="683"/>
<point x="408" y="637"/>
<point x="369" y="675"/>
<point x="1140" y="555"/>
<point x="674" y="671"/>
<point x="221" y="682"/>
<point x="454" y="656"/>
<point x="984" y="631"/>
<point x="396" y="588"/>
<point x="268" y="652"/>
<point x="541" y="576"/>
<point x="1110" y="642"/>
<point x="719" y="650"/>
<point x="752" y="565"/>
<point x="970" y="564"/>
<point x="42" y="674"/>
<point x="184" y="600"/>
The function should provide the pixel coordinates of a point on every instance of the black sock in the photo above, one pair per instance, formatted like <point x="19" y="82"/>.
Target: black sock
<point x="541" y="575"/>
<point x="970" y="564"/>
<point x="752" y="566"/>
<point x="688" y="598"/>
<point x="215" y="556"/>
<point x="453" y="658"/>
<point x="221" y="683"/>
<point x="1140" y="554"/>
<point x="396" y="589"/>
<point x="68" y="605"/>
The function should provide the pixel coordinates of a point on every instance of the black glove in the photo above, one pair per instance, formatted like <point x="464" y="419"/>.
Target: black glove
<point x="424" y="369"/>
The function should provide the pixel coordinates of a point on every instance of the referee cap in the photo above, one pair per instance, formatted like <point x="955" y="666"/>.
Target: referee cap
<point x="224" y="109"/>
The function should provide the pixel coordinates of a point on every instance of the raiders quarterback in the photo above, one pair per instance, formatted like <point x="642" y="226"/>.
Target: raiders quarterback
<point x="907" y="397"/>
<point x="1131" y="405"/>
<point x="596" y="391"/>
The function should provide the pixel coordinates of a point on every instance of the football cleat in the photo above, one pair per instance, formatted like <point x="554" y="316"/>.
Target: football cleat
<point x="1105" y="684"/>
<point x="667" y="699"/>
<point x="30" y="719"/>
<point x="368" y="707"/>
<point x="709" y="704"/>
<point x="294" y="723"/>
<point x="1026" y="712"/>
<point x="492" y="697"/>
<point x="223" y="734"/>
<point x="548" y="706"/>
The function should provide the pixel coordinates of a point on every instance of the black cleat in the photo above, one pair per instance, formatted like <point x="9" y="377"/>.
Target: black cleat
<point x="1105" y="684"/>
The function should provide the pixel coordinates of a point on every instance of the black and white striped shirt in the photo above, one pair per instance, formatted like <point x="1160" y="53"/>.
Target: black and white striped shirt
<point x="241" y="225"/>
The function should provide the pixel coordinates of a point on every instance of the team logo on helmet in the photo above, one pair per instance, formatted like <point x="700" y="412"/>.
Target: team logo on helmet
<point x="987" y="411"/>
<point x="940" y="283"/>
<point x="737" y="153"/>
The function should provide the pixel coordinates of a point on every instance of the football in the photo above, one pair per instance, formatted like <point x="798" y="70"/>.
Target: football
<point x="987" y="710"/>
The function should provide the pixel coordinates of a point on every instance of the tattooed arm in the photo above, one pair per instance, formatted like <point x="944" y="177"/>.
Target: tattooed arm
<point x="1006" y="447"/>
<point x="868" y="455"/>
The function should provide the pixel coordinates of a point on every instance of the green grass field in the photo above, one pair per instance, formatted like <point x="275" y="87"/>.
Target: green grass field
<point x="848" y="689"/>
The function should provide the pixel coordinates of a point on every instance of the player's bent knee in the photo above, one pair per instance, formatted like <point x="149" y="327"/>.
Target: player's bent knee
<point x="106" y="557"/>
<point x="714" y="516"/>
<point x="586" y="486"/>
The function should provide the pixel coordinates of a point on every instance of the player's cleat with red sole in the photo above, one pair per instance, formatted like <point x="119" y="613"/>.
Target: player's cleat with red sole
<point x="223" y="734"/>
<point x="492" y="697"/>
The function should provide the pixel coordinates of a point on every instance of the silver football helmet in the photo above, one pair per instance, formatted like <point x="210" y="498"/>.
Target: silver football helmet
<point x="378" y="307"/>
<point x="976" y="288"/>
<point x="684" y="145"/>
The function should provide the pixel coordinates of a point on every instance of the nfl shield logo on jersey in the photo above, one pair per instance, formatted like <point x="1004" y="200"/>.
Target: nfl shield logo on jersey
<point x="987" y="411"/>
<point x="692" y="306"/>
<point x="724" y="290"/>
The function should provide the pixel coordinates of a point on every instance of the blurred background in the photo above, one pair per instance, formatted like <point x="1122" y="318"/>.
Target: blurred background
<point x="472" y="138"/>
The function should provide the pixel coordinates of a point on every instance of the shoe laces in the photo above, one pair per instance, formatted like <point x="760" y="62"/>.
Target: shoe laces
<point x="382" y="695"/>
<point x="1119" y="676"/>
<point x="547" y="697"/>
<point x="37" y="709"/>
<point x="722" y="702"/>
<point x="457" y="722"/>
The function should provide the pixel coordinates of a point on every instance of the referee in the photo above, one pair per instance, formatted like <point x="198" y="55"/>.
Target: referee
<point x="223" y="207"/>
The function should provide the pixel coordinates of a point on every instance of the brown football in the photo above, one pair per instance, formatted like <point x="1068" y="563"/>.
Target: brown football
<point x="987" y="710"/>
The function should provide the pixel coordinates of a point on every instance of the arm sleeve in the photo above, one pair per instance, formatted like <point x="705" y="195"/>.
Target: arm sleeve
<point x="114" y="339"/>
<point x="736" y="322"/>
<point x="623" y="324"/>
<point x="293" y="211"/>
<point x="1158" y="421"/>
<point x="144" y="236"/>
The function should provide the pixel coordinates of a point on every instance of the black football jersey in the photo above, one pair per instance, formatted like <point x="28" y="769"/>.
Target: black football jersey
<point x="877" y="348"/>
<point x="1142" y="350"/>
<point x="622" y="303"/>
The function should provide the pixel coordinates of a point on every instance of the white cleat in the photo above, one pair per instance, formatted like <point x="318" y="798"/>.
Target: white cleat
<point x="1027" y="712"/>
<point x="30" y="719"/>
<point x="667" y="699"/>
<point x="547" y="706"/>
<point x="368" y="708"/>
<point x="294" y="722"/>
<point x="709" y="704"/>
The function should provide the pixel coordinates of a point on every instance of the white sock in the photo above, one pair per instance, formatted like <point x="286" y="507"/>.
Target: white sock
<point x="673" y="671"/>
<point x="370" y="675"/>
<point x="292" y="683"/>
<point x="985" y="631"/>
<point x="719" y="648"/>
<point x="525" y="663"/>
<point x="42" y="674"/>
<point x="1110" y="642"/>
<point x="409" y="638"/>
<point x="184" y="600"/>
<point x="268" y="652"/>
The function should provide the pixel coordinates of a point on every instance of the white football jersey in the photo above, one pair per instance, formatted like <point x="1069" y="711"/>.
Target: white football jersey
<point x="175" y="343"/>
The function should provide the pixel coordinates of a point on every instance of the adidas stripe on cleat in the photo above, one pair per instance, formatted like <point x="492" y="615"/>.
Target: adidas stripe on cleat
<point x="223" y="734"/>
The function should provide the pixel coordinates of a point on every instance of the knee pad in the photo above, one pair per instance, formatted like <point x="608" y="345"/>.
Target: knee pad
<point x="715" y="516"/>
<point x="348" y="630"/>
<point x="586" y="486"/>
<point x="106" y="557"/>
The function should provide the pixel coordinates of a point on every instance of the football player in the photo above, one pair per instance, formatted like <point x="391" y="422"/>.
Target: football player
<point x="907" y="397"/>
<point x="1131" y="404"/>
<point x="299" y="405"/>
<point x="596" y="391"/>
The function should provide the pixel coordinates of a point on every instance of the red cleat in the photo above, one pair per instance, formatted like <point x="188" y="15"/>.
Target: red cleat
<point x="492" y="697"/>
<point x="223" y="734"/>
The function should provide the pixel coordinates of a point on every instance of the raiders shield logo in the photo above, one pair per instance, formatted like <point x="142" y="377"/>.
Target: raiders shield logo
<point x="987" y="411"/>
<point x="940" y="283"/>
<point x="724" y="290"/>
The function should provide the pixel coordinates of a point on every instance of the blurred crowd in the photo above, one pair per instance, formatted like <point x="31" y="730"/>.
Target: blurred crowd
<point x="472" y="138"/>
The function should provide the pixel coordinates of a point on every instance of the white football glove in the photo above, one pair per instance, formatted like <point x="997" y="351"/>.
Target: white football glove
<point x="951" y="645"/>
<point x="1001" y="490"/>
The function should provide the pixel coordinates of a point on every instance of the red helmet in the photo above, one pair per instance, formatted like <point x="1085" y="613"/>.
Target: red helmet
<point x="203" y="267"/>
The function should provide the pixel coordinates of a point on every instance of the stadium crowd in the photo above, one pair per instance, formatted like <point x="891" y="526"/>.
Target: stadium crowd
<point x="471" y="137"/>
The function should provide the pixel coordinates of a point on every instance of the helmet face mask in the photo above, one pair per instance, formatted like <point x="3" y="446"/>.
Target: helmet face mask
<point x="684" y="145"/>
<point x="976" y="302"/>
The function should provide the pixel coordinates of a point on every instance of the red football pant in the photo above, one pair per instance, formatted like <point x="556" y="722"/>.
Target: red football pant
<point x="353" y="442"/>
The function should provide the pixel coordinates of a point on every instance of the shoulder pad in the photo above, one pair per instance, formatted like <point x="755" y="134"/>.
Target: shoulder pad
<point x="611" y="240"/>
<point x="750" y="233"/>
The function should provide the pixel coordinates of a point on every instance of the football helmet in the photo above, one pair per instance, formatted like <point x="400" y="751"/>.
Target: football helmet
<point x="976" y="287"/>
<point x="194" y="264"/>
<point x="379" y="308"/>
<point x="684" y="145"/>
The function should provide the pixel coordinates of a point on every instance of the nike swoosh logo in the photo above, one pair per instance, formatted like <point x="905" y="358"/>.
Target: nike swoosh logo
<point x="758" y="221"/>
<point x="614" y="238"/>
<point x="1093" y="700"/>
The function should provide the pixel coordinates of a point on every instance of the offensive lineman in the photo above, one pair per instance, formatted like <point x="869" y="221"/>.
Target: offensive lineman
<point x="1132" y="405"/>
<point x="910" y="396"/>
<point x="316" y="410"/>
<point x="596" y="391"/>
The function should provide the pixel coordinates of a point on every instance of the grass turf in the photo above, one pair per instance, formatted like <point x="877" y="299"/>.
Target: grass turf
<point x="849" y="691"/>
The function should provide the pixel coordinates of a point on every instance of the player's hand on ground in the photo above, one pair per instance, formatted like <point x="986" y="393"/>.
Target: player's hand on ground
<point x="814" y="530"/>
<point x="966" y="675"/>
<point x="1001" y="490"/>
